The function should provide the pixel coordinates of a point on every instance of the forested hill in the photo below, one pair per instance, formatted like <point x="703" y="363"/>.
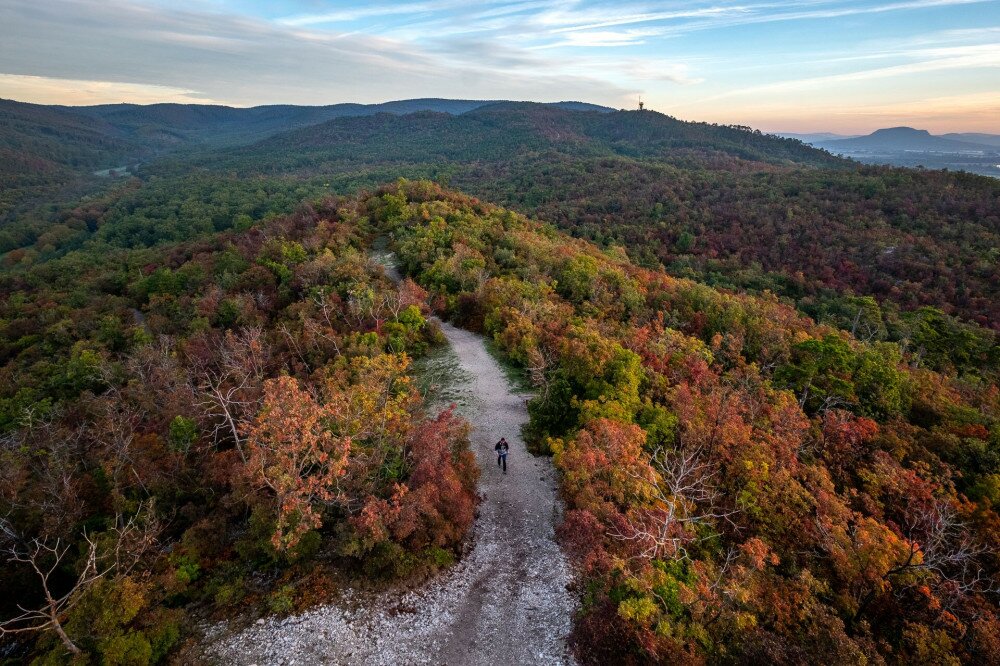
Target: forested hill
<point x="224" y="125"/>
<point x="506" y="130"/>
<point x="230" y="423"/>
<point x="85" y="137"/>
<point x="854" y="246"/>
<point x="57" y="137"/>
<point x="721" y="204"/>
<point x="42" y="146"/>
<point x="48" y="153"/>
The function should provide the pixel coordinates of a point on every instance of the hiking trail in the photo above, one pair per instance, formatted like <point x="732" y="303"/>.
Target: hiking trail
<point x="505" y="602"/>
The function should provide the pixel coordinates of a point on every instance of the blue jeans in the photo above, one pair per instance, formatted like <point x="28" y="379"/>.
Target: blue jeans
<point x="502" y="460"/>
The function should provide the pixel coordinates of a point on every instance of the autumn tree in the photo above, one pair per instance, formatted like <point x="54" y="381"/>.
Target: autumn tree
<point x="292" y="452"/>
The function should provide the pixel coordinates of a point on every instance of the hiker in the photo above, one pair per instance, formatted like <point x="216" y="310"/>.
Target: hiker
<point x="501" y="448"/>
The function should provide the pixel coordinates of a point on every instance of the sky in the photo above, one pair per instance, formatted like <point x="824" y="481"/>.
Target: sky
<point x="847" y="66"/>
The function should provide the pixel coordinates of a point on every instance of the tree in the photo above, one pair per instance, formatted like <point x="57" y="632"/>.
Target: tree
<point x="820" y="373"/>
<point x="231" y="383"/>
<point x="111" y="555"/>
<point x="680" y="484"/>
<point x="292" y="452"/>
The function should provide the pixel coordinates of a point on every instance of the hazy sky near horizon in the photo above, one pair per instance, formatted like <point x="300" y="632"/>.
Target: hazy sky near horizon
<point x="836" y="65"/>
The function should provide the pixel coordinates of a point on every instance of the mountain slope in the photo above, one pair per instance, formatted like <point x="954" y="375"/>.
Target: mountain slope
<point x="724" y="204"/>
<point x="48" y="153"/>
<point x="721" y="204"/>
<point x="815" y="137"/>
<point x="506" y="602"/>
<point x="741" y="483"/>
<point x="44" y="147"/>
<point x="974" y="137"/>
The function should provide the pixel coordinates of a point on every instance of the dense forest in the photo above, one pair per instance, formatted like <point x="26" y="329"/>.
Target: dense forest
<point x="742" y="484"/>
<point x="726" y="206"/>
<point x="767" y="376"/>
<point x="215" y="424"/>
<point x="720" y="204"/>
<point x="233" y="420"/>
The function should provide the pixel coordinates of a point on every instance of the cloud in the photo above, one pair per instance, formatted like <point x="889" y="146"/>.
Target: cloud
<point x="684" y="54"/>
<point x="602" y="38"/>
<point x="357" y="13"/>
<point x="43" y="90"/>
<point x="927" y="60"/>
<point x="569" y="21"/>
<point x="248" y="61"/>
<point x="680" y="21"/>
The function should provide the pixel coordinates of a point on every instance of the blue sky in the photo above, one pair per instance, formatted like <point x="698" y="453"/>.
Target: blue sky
<point x="838" y="65"/>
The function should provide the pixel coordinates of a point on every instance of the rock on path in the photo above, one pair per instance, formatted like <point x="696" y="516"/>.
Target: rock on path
<point x="505" y="602"/>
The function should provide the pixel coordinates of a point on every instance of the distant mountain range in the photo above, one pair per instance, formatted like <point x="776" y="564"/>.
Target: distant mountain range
<point x="47" y="148"/>
<point x="222" y="125"/>
<point x="898" y="139"/>
<point x="502" y="132"/>
<point x="909" y="147"/>
<point x="894" y="139"/>
<point x="97" y="138"/>
<point x="973" y="137"/>
<point x="43" y="146"/>
<point x="103" y="135"/>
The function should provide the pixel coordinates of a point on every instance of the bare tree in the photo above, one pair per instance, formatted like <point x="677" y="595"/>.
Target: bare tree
<point x="40" y="472"/>
<point x="947" y="550"/>
<point x="115" y="433"/>
<point x="684" y="497"/>
<point x="540" y="361"/>
<point x="126" y="544"/>
<point x="940" y="552"/>
<point x="865" y="328"/>
<point x="232" y="386"/>
<point x="365" y="304"/>
<point x="328" y="309"/>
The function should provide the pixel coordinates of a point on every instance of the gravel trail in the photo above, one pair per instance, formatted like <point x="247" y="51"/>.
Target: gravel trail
<point x="505" y="602"/>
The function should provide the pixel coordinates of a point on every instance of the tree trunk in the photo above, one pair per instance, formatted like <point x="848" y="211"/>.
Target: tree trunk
<point x="62" y="634"/>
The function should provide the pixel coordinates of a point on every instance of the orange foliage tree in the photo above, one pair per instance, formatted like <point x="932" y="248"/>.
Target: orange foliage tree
<point x="292" y="451"/>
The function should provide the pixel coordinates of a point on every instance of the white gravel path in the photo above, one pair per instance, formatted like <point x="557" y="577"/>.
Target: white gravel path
<point x="505" y="602"/>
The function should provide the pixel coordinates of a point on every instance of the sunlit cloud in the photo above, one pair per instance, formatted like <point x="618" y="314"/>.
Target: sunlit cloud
<point x="45" y="90"/>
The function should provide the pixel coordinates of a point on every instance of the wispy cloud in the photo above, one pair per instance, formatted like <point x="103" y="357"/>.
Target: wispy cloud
<point x="715" y="59"/>
<point x="927" y="60"/>
<point x="559" y="18"/>
<point x="363" y="12"/>
<point x="601" y="39"/>
<point x="245" y="60"/>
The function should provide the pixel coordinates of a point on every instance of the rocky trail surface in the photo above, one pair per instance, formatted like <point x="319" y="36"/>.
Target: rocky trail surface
<point x="505" y="602"/>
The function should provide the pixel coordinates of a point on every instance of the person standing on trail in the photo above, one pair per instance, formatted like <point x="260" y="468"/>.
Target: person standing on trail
<point x="501" y="448"/>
